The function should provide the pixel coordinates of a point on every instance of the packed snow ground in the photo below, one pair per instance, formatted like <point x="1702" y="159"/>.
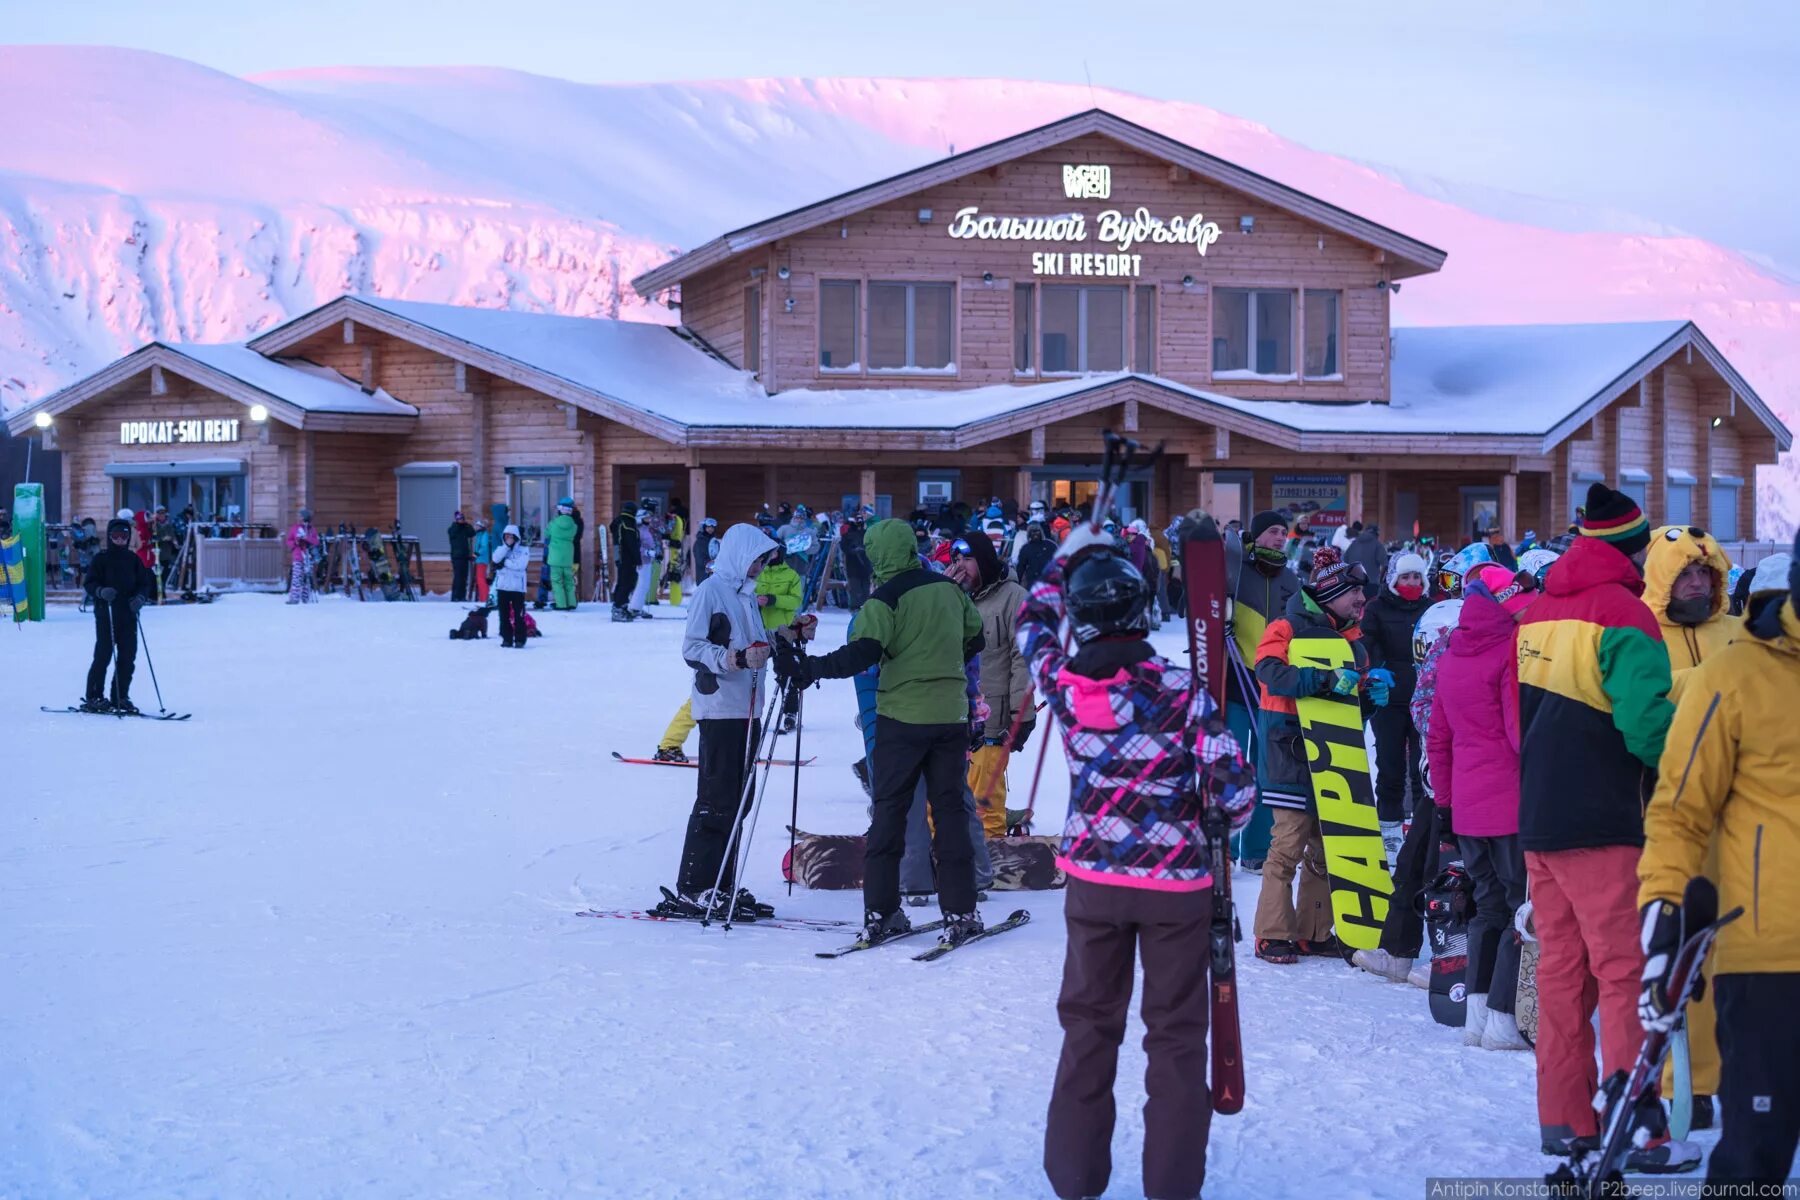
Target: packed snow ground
<point x="320" y="941"/>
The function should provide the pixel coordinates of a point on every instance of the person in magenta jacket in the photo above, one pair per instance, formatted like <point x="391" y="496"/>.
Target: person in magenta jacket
<point x="1473" y="744"/>
<point x="302" y="539"/>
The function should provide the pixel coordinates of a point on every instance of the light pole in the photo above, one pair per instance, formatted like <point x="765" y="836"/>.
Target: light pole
<point x="44" y="421"/>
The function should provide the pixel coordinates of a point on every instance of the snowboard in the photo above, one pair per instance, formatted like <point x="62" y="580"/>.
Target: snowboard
<point x="379" y="566"/>
<point x="834" y="862"/>
<point x="1338" y="760"/>
<point x="1525" y="1006"/>
<point x="1447" y="904"/>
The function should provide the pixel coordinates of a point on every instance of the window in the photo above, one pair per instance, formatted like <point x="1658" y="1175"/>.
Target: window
<point x="1322" y="335"/>
<point x="839" y="300"/>
<point x="752" y="329"/>
<point x="1146" y="329"/>
<point x="532" y="493"/>
<point x="1678" y="507"/>
<point x="1024" y="344"/>
<point x="1253" y="333"/>
<point x="1724" y="520"/>
<point x="1084" y="329"/>
<point x="1636" y="484"/>
<point x="429" y="495"/>
<point x="910" y="326"/>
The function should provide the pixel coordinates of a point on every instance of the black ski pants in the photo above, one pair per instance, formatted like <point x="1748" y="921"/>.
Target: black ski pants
<point x="1759" y="1078"/>
<point x="903" y="753"/>
<point x="1399" y="751"/>
<point x="1109" y="928"/>
<point x="512" y="617"/>
<point x="1403" y="933"/>
<point x="1496" y="866"/>
<point x="115" y="631"/>
<point x="459" y="579"/>
<point x="724" y="764"/>
<point x="859" y="588"/>
<point x="626" y="583"/>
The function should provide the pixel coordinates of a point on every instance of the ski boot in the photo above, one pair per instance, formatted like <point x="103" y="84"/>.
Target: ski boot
<point x="917" y="899"/>
<point x="1277" y="950"/>
<point x="960" y="927"/>
<point x="1390" y="967"/>
<point x="670" y="754"/>
<point x="94" y="704"/>
<point x="1560" y="1141"/>
<point x="638" y="614"/>
<point x="860" y="769"/>
<point x="679" y="906"/>
<point x="124" y="707"/>
<point x="746" y="907"/>
<point x="620" y="613"/>
<point x="1328" y="948"/>
<point x="1654" y="1152"/>
<point x="878" y="928"/>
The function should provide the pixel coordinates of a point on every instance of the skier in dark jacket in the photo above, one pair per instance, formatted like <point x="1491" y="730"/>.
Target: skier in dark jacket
<point x="922" y="629"/>
<point x="1035" y="554"/>
<point x="704" y="537"/>
<point x="118" y="584"/>
<point x="627" y="550"/>
<point x="858" y="573"/>
<point x="1388" y="633"/>
<point x="462" y="555"/>
<point x="1366" y="551"/>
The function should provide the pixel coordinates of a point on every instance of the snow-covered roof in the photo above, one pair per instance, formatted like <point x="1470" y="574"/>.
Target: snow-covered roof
<point x="305" y="385"/>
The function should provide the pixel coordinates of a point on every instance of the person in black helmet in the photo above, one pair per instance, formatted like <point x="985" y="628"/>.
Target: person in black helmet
<point x="1148" y="753"/>
<point x="118" y="584"/>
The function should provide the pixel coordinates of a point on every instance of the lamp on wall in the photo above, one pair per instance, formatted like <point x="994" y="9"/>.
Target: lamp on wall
<point x="43" y="420"/>
<point x="1246" y="224"/>
<point x="787" y="305"/>
<point x="987" y="279"/>
<point x="1716" y="421"/>
<point x="1187" y="281"/>
<point x="782" y="272"/>
<point x="259" y="413"/>
<point x="924" y="216"/>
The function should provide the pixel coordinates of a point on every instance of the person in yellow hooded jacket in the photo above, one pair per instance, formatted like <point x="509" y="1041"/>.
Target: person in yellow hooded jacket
<point x="1684" y="586"/>
<point x="1728" y="774"/>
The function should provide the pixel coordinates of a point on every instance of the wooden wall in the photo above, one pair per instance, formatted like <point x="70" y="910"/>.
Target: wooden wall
<point x="889" y="242"/>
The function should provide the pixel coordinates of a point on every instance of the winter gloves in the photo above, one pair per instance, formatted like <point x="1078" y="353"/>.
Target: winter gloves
<point x="137" y="602"/>
<point x="1661" y="939"/>
<point x="1344" y="682"/>
<point x="1380" y="683"/>
<point x="754" y="656"/>
<point x="108" y="594"/>
<point x="1347" y="682"/>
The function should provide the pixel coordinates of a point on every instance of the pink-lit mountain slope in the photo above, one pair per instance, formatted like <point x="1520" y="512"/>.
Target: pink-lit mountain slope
<point x="150" y="197"/>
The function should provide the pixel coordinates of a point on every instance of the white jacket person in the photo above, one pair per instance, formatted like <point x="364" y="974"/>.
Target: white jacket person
<point x="723" y="620"/>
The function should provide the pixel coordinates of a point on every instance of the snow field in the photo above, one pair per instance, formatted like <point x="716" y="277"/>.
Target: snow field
<point x="319" y="941"/>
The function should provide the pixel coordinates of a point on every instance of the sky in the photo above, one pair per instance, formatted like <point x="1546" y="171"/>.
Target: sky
<point x="1653" y="114"/>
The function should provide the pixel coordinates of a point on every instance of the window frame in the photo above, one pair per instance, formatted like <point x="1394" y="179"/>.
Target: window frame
<point x="1081" y="291"/>
<point x="859" y="305"/>
<point x="1145" y="336"/>
<point x="863" y="282"/>
<point x="1336" y="376"/>
<point x="1296" y="347"/>
<point x="910" y="289"/>
<point x="434" y="536"/>
<point x="1032" y="349"/>
<point x="752" y="354"/>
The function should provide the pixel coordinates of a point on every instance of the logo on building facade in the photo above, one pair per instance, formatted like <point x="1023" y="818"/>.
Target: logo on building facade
<point x="1087" y="182"/>
<point x="166" y="433"/>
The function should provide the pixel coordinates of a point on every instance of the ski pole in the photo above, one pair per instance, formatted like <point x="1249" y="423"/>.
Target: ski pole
<point x="747" y="830"/>
<point x="151" y="663"/>
<point x="754" y="749"/>
<point x="794" y="811"/>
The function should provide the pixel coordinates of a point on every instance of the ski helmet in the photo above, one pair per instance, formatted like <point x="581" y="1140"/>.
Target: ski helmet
<point x="1537" y="560"/>
<point x="1451" y="572"/>
<point x="116" y="527"/>
<point x="1106" y="596"/>
<point x="124" y="514"/>
<point x="1433" y="624"/>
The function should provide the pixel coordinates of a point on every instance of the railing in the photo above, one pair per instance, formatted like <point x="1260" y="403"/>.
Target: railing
<point x="1748" y="554"/>
<point x="246" y="564"/>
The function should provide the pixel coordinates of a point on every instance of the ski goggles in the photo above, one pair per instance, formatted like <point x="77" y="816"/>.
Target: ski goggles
<point x="960" y="548"/>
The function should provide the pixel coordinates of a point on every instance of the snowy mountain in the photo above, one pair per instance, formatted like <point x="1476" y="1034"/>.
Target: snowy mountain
<point x="152" y="197"/>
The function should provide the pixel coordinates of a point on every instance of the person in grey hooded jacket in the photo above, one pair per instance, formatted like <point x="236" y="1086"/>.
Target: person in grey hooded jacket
<point x="726" y="645"/>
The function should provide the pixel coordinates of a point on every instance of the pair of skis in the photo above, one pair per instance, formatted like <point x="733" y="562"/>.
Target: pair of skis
<point x="763" y="762"/>
<point x="1018" y="918"/>
<point x="90" y="712"/>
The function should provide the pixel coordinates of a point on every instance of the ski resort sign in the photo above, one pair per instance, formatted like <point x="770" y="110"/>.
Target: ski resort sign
<point x="1115" y="229"/>
<point x="167" y="433"/>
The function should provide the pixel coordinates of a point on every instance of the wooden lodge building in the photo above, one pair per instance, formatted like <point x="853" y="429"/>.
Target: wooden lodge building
<point x="962" y="330"/>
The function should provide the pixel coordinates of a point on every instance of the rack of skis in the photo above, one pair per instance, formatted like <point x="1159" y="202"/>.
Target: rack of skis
<point x="369" y="565"/>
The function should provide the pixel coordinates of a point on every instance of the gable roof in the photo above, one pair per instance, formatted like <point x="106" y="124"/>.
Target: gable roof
<point x="1412" y="256"/>
<point x="298" y="393"/>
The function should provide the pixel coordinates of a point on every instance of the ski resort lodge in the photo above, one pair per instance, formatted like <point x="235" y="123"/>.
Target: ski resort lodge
<point x="964" y="329"/>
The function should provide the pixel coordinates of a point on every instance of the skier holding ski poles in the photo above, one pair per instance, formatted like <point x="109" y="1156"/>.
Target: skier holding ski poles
<point x="1148" y="753"/>
<point x="118" y="584"/>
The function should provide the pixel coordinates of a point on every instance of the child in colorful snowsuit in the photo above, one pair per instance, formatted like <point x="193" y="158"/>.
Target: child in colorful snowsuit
<point x="301" y="540"/>
<point x="1148" y="751"/>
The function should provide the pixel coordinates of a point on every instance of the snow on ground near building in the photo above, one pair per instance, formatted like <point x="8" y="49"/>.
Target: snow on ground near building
<point x="320" y="941"/>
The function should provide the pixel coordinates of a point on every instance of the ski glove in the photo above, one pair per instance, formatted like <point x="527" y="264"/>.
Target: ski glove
<point x="137" y="602"/>
<point x="1024" y="736"/>
<point x="1344" y="682"/>
<point x="1380" y="683"/>
<point x="754" y="656"/>
<point x="1657" y="1010"/>
<point x="108" y="594"/>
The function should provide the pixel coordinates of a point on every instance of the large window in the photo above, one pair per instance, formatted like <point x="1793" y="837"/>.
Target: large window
<point x="1322" y="335"/>
<point x="839" y="300"/>
<point x="1024" y="343"/>
<point x="1145" y="316"/>
<point x="1678" y="503"/>
<point x="753" y="329"/>
<point x="1253" y="333"/>
<point x="1723" y="524"/>
<point x="910" y="326"/>
<point x="1084" y="329"/>
<point x="213" y="497"/>
<point x="532" y="493"/>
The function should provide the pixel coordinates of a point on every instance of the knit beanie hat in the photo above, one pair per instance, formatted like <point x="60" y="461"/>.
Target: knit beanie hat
<point x="1513" y="590"/>
<point x="1615" y="517"/>
<point x="1262" y="522"/>
<point x="1773" y="574"/>
<point x="1406" y="564"/>
<point x="1331" y="576"/>
<point x="987" y="562"/>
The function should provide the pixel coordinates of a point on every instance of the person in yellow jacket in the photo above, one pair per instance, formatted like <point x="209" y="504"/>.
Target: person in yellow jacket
<point x="672" y="557"/>
<point x="1728" y="773"/>
<point x="1684" y="586"/>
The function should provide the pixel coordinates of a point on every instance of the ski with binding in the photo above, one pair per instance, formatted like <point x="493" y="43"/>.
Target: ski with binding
<point x="1018" y="918"/>
<point x="656" y="762"/>
<point x="145" y="716"/>
<point x="812" y="924"/>
<point x="864" y="944"/>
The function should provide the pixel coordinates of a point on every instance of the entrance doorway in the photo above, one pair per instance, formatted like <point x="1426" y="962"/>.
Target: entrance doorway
<point x="1481" y="511"/>
<point x="1065" y="487"/>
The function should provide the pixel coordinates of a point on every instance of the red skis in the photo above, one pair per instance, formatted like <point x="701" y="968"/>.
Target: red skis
<point x="1203" y="579"/>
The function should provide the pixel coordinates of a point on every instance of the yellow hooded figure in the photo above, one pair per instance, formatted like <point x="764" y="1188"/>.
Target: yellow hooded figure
<point x="1695" y="620"/>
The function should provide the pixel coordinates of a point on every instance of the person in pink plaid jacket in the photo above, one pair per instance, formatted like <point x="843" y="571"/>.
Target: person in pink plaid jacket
<point x="1148" y="751"/>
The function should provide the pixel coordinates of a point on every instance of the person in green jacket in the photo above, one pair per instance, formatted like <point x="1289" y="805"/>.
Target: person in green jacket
<point x="922" y="629"/>
<point x="778" y="592"/>
<point x="559" y="553"/>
